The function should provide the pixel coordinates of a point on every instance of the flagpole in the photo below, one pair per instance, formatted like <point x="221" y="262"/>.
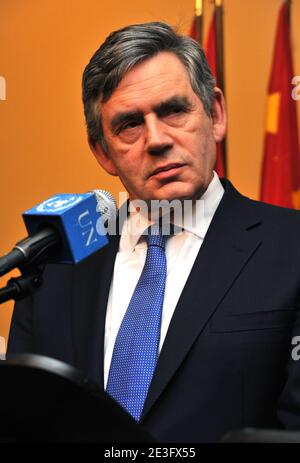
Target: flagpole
<point x="220" y="62"/>
<point x="199" y="20"/>
<point x="220" y="50"/>
<point x="289" y="2"/>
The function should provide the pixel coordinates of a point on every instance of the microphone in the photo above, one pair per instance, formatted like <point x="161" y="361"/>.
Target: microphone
<point x="65" y="228"/>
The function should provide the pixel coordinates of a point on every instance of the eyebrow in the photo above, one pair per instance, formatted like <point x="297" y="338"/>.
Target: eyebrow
<point x="175" y="102"/>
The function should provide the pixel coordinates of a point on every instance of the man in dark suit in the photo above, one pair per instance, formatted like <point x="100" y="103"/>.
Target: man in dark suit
<point x="232" y="283"/>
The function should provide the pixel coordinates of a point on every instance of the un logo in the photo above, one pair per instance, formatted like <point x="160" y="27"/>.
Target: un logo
<point x="59" y="203"/>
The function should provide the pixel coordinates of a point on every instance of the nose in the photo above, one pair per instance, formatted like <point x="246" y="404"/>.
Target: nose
<point x="158" y="140"/>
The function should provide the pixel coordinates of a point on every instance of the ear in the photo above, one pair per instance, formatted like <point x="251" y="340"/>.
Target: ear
<point x="103" y="158"/>
<point x="218" y="115"/>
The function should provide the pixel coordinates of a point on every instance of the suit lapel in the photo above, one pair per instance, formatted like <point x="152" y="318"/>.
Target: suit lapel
<point x="227" y="247"/>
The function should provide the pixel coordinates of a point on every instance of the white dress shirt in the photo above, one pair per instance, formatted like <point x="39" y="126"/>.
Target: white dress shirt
<point x="181" y="252"/>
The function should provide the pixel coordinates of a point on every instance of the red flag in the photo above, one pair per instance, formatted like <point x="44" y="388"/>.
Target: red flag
<point x="212" y="58"/>
<point x="280" y="182"/>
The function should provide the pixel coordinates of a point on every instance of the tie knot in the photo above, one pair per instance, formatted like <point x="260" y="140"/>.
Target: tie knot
<point x="155" y="237"/>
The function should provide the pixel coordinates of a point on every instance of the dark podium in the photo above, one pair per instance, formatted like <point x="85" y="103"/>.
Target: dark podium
<point x="45" y="400"/>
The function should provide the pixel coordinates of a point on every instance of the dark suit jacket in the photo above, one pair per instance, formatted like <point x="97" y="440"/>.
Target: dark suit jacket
<point x="226" y="361"/>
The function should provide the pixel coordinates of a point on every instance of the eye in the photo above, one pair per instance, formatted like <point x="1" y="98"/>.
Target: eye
<point x="130" y="125"/>
<point x="175" y="114"/>
<point x="176" y="110"/>
<point x="173" y="110"/>
<point x="129" y="131"/>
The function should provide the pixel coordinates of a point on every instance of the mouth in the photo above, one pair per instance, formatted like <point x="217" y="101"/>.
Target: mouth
<point x="167" y="170"/>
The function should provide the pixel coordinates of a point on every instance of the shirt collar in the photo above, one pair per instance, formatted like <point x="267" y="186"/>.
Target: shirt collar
<point x="196" y="218"/>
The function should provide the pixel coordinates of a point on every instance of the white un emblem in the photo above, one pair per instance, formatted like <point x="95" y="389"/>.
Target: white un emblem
<point x="59" y="203"/>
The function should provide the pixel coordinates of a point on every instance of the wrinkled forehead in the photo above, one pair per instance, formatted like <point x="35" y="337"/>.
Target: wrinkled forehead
<point x="161" y="73"/>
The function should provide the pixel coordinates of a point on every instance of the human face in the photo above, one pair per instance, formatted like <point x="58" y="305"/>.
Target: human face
<point x="160" y="141"/>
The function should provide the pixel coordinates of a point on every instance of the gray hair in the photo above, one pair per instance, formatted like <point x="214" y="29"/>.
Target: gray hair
<point x="127" y="47"/>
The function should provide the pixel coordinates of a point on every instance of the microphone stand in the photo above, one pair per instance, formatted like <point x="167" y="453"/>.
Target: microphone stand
<point x="19" y="287"/>
<point x="31" y="270"/>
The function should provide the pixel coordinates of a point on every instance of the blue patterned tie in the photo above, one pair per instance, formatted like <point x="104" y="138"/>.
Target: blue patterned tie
<point x="136" y="348"/>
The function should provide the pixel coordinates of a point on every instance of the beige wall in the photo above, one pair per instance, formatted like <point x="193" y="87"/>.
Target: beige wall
<point x="44" y="46"/>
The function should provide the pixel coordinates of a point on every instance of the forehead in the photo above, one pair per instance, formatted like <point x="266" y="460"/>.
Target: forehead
<point x="159" y="77"/>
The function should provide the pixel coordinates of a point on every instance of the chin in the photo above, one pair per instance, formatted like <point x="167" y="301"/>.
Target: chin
<point x="173" y="192"/>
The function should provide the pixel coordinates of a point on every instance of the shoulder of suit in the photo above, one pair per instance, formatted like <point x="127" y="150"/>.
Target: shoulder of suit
<point x="264" y="209"/>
